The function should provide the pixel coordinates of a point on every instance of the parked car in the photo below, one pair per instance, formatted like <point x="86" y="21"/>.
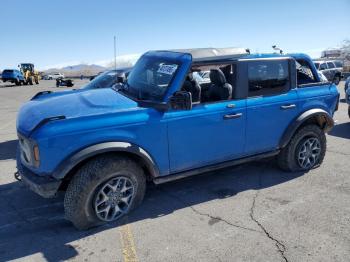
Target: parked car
<point x="347" y="98"/>
<point x="53" y="76"/>
<point x="332" y="70"/>
<point x="13" y="76"/>
<point x="64" y="82"/>
<point x="347" y="84"/>
<point x="94" y="76"/>
<point x="322" y="77"/>
<point x="100" y="146"/>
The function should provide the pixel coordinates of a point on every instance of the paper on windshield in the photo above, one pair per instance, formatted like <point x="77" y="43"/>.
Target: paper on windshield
<point x="167" y="69"/>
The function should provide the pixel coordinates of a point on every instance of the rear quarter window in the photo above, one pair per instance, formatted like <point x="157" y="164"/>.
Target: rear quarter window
<point x="338" y="64"/>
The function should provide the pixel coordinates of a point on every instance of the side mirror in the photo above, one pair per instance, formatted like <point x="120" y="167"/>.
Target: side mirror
<point x="181" y="100"/>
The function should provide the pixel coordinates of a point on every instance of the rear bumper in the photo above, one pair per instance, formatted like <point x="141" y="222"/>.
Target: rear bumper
<point x="44" y="186"/>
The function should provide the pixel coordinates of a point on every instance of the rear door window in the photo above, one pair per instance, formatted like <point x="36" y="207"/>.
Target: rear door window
<point x="268" y="77"/>
<point x="323" y="66"/>
<point x="330" y="65"/>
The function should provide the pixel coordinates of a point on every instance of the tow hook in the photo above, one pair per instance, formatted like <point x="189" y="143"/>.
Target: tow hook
<point x="17" y="176"/>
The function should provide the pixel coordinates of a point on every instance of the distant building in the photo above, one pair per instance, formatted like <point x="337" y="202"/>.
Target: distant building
<point x="332" y="54"/>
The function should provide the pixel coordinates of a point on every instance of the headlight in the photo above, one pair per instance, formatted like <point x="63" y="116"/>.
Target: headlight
<point x="29" y="151"/>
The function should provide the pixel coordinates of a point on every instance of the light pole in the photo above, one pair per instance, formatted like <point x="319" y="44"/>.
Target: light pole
<point x="115" y="54"/>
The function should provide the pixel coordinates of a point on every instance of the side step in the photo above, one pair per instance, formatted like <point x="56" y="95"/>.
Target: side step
<point x="192" y="172"/>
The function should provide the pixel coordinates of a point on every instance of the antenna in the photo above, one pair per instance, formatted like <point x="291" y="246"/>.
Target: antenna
<point x="115" y="54"/>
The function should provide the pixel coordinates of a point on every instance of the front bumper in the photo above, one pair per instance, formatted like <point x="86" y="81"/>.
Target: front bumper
<point x="44" y="186"/>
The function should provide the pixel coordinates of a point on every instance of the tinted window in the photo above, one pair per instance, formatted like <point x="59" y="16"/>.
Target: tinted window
<point x="268" y="77"/>
<point x="317" y="65"/>
<point x="330" y="65"/>
<point x="323" y="66"/>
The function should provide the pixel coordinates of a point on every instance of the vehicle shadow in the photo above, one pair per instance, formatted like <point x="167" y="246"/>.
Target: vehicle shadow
<point x="7" y="85"/>
<point x="341" y="130"/>
<point x="8" y="149"/>
<point x="30" y="224"/>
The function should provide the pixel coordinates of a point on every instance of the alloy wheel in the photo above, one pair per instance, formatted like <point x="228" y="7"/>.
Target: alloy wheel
<point x="114" y="198"/>
<point x="309" y="153"/>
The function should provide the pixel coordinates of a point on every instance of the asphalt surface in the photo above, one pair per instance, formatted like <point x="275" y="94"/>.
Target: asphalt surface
<point x="252" y="212"/>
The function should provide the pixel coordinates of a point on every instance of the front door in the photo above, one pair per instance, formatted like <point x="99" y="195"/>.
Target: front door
<point x="208" y="134"/>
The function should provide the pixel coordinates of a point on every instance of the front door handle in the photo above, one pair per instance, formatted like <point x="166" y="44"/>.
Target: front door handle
<point x="233" y="116"/>
<point x="284" y="107"/>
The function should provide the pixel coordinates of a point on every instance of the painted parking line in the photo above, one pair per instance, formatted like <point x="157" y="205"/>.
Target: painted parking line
<point x="128" y="244"/>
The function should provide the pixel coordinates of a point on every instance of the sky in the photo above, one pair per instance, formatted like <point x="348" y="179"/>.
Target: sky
<point x="57" y="33"/>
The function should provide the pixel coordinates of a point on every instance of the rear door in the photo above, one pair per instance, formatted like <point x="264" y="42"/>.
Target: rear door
<point x="272" y="103"/>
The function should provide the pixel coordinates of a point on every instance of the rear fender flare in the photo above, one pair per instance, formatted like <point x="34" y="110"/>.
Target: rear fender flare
<point x="324" y="120"/>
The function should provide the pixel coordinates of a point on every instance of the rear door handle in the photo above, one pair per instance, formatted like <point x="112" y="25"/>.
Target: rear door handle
<point x="288" y="106"/>
<point x="233" y="116"/>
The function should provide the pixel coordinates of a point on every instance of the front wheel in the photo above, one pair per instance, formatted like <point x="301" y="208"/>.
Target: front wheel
<point x="104" y="190"/>
<point x="305" y="151"/>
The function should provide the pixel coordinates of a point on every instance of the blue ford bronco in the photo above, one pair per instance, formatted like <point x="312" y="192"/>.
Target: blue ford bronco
<point x="102" y="145"/>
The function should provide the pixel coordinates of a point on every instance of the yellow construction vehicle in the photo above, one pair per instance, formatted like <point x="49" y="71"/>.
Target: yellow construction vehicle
<point x="30" y="76"/>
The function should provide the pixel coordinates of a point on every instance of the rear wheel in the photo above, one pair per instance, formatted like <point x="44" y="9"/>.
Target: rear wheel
<point x="104" y="190"/>
<point x="305" y="151"/>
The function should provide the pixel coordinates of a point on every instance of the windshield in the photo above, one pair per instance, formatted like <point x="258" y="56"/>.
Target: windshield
<point x="150" y="78"/>
<point x="104" y="80"/>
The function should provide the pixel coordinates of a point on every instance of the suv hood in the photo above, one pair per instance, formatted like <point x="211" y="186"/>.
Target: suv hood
<point x="71" y="105"/>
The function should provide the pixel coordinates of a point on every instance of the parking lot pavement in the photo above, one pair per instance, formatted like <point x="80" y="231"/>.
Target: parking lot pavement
<point x="252" y="212"/>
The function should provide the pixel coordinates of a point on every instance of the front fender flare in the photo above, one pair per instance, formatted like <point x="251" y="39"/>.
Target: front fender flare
<point x="322" y="116"/>
<point x="72" y="161"/>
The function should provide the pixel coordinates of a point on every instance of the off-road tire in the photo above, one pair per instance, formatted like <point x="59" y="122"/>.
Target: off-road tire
<point x="287" y="158"/>
<point x="82" y="189"/>
<point x="17" y="82"/>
